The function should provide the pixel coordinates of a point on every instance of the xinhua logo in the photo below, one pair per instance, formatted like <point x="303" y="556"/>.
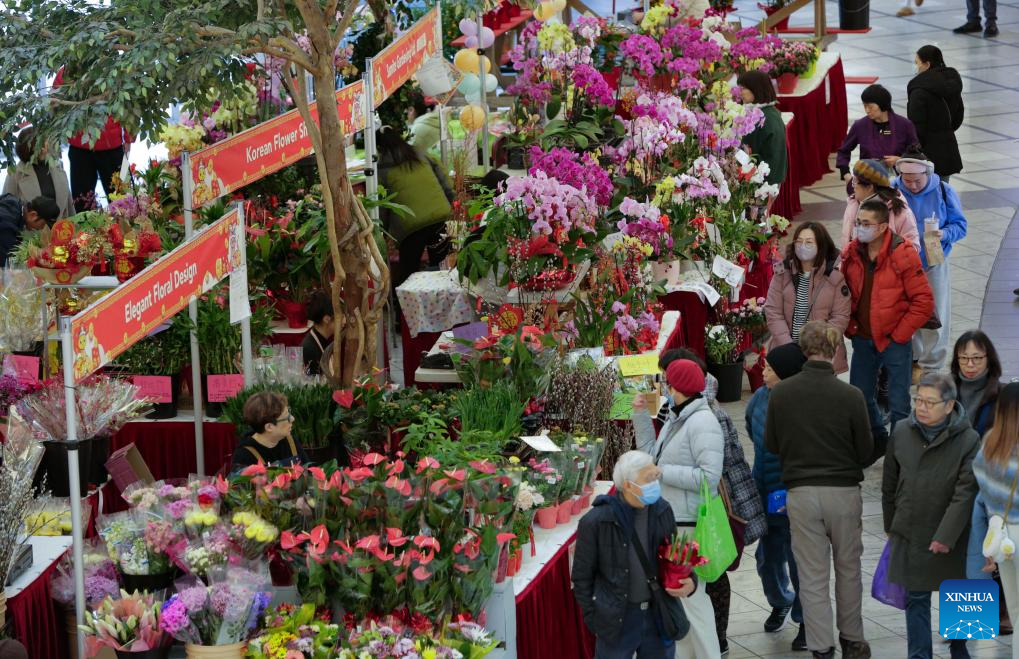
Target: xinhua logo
<point x="968" y="608"/>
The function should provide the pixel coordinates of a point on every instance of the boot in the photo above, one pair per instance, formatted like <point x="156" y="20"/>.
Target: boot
<point x="854" y="649"/>
<point x="991" y="30"/>
<point x="968" y="28"/>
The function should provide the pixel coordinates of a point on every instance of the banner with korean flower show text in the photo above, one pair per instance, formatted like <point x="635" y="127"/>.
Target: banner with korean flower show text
<point x="129" y="313"/>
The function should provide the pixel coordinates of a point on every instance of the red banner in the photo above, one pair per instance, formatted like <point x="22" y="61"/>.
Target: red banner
<point x="401" y="59"/>
<point x="128" y="314"/>
<point x="266" y="148"/>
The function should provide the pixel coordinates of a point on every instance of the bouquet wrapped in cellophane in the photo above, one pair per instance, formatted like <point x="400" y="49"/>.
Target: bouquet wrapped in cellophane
<point x="103" y="406"/>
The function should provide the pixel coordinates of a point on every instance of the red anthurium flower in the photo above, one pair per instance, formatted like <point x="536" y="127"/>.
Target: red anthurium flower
<point x="400" y="578"/>
<point x="426" y="542"/>
<point x="254" y="470"/>
<point x="399" y="485"/>
<point x="319" y="538"/>
<point x="485" y="342"/>
<point x="369" y="543"/>
<point x="373" y="459"/>
<point x="420" y="573"/>
<point x="288" y="540"/>
<point x="427" y="463"/>
<point x="456" y="474"/>
<point x="505" y="537"/>
<point x="221" y="484"/>
<point x="359" y="474"/>
<point x="395" y="537"/>
<point x="484" y="466"/>
<point x="344" y="398"/>
<point x="463" y="568"/>
<point x="439" y="486"/>
<point x="396" y="468"/>
<point x="281" y="481"/>
<point x="317" y="473"/>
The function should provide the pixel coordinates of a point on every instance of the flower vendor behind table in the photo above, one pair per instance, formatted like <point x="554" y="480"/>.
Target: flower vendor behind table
<point x="104" y="405"/>
<point x="129" y="624"/>
<point x="789" y="61"/>
<point x="216" y="619"/>
<point x="313" y="408"/>
<point x="164" y="355"/>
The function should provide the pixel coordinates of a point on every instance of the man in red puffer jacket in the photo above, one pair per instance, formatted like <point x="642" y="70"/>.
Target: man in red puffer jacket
<point x="91" y="161"/>
<point x="891" y="300"/>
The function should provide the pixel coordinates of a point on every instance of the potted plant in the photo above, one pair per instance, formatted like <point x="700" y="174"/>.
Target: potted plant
<point x="790" y="60"/>
<point x="772" y="6"/>
<point x="725" y="360"/>
<point x="159" y="360"/>
<point x="129" y="624"/>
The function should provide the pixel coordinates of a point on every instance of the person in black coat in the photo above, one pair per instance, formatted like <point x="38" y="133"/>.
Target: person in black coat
<point x="16" y="218"/>
<point x="935" y="107"/>
<point x="609" y="581"/>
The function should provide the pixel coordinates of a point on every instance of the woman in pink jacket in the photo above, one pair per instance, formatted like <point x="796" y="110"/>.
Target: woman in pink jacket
<point x="871" y="177"/>
<point x="808" y="287"/>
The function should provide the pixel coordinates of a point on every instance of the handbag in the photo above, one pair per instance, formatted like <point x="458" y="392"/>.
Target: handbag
<point x="714" y="536"/>
<point x="996" y="535"/>
<point x="673" y="619"/>
<point x="882" y="589"/>
<point x="737" y="524"/>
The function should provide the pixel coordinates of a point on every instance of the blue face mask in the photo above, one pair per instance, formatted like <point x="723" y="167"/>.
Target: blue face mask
<point x="670" y="400"/>
<point x="650" y="492"/>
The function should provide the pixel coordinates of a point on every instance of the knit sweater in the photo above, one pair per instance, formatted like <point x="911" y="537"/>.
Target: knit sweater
<point x="819" y="428"/>
<point x="995" y="483"/>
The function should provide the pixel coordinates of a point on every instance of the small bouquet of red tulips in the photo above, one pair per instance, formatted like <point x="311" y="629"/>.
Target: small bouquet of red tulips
<point x="677" y="559"/>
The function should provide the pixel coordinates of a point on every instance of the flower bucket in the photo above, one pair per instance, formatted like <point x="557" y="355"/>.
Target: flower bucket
<point x="671" y="574"/>
<point x="232" y="651"/>
<point x="296" y="313"/>
<point x="152" y="583"/>
<point x="787" y="83"/>
<point x="577" y="506"/>
<point x="730" y="381"/>
<point x="154" y="653"/>
<point x="54" y="467"/>
<point x="565" y="512"/>
<point x="809" y="73"/>
<point x="433" y="77"/>
<point x="547" y="516"/>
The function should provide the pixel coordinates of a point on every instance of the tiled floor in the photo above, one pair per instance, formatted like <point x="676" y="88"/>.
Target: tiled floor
<point x="989" y="188"/>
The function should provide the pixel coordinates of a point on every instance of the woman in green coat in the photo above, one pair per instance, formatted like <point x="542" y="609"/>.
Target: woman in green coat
<point x="927" y="497"/>
<point x="767" y="142"/>
<point x="417" y="182"/>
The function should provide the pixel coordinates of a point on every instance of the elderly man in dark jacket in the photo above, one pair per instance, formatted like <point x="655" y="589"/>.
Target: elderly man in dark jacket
<point x="610" y="583"/>
<point x="927" y="495"/>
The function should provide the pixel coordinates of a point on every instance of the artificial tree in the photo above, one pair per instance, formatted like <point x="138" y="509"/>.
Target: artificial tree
<point x="132" y="59"/>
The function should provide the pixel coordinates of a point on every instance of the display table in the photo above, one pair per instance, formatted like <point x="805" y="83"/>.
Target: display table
<point x="283" y="334"/>
<point x="549" y="623"/>
<point x="821" y="120"/>
<point x="430" y="303"/>
<point x="34" y="618"/>
<point x="787" y="203"/>
<point x="168" y="446"/>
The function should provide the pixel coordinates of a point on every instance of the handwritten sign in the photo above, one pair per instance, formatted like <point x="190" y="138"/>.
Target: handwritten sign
<point x="725" y="269"/>
<point x="223" y="387"/>
<point x="23" y="367"/>
<point x="154" y="388"/>
<point x="644" y="364"/>
<point x="129" y="313"/>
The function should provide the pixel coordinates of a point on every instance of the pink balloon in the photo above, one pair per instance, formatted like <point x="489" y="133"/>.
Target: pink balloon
<point x="471" y="42"/>
<point x="486" y="38"/>
<point x="468" y="27"/>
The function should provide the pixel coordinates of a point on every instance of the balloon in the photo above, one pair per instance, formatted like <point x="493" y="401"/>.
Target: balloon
<point x="472" y="117"/>
<point x="470" y="84"/>
<point x="471" y="42"/>
<point x="466" y="60"/>
<point x="548" y="8"/>
<point x="491" y="83"/>
<point x="468" y="27"/>
<point x="487" y="37"/>
<point x="539" y="13"/>
<point x="474" y="97"/>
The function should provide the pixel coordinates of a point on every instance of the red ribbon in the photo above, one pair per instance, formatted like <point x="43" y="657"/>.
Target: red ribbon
<point x="530" y="532"/>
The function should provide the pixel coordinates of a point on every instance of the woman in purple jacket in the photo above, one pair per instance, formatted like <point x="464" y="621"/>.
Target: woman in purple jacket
<point x="881" y="135"/>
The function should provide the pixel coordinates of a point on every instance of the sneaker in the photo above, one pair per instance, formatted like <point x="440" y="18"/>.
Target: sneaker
<point x="854" y="649"/>
<point x="905" y="11"/>
<point x="991" y="30"/>
<point x="800" y="642"/>
<point x="969" y="28"/>
<point x="723" y="647"/>
<point x="777" y="620"/>
<point x="827" y="654"/>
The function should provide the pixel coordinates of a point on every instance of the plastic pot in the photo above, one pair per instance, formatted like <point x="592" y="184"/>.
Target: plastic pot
<point x="547" y="516"/>
<point x="54" y="467"/>
<point x="730" y="380"/>
<point x="565" y="512"/>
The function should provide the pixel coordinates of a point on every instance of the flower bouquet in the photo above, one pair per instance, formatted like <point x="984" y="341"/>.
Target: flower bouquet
<point x="291" y="632"/>
<point x="677" y="558"/>
<point x="384" y="642"/>
<point x="132" y="245"/>
<point x="137" y="543"/>
<point x="470" y="639"/>
<point x="527" y="503"/>
<point x="129" y="623"/>
<point x="63" y="254"/>
<point x="21" y="301"/>
<point x="224" y="612"/>
<point x="100" y="578"/>
<point x="252" y="534"/>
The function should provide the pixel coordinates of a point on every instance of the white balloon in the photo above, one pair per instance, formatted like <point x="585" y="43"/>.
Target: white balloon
<point x="474" y="98"/>
<point x="491" y="82"/>
<point x="486" y="38"/>
<point x="471" y="42"/>
<point x="469" y="27"/>
<point x="470" y="84"/>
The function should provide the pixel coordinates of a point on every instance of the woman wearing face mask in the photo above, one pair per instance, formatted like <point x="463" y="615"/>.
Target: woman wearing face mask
<point x="871" y="177"/>
<point x="936" y="110"/>
<point x="881" y="135"/>
<point x="808" y="287"/>
<point x="689" y="449"/>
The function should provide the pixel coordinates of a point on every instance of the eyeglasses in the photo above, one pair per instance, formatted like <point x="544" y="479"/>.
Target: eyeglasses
<point x="975" y="359"/>
<point x="927" y="402"/>
<point x="289" y="418"/>
<point x="866" y="224"/>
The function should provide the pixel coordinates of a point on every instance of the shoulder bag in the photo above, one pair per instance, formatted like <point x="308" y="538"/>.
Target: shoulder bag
<point x="673" y="620"/>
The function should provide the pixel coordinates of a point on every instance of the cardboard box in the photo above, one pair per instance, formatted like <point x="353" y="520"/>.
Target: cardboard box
<point x="126" y="466"/>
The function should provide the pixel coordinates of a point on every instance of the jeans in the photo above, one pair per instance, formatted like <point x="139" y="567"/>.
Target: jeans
<point x="639" y="634"/>
<point x="918" y="629"/>
<point x="897" y="359"/>
<point x="776" y="567"/>
<point x="990" y="11"/>
<point x="930" y="347"/>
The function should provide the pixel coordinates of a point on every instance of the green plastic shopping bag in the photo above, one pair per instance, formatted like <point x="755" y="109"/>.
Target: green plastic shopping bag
<point x="714" y="536"/>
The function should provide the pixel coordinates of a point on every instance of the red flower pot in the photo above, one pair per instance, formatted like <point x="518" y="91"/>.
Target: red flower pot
<point x="671" y="574"/>
<point x="565" y="512"/>
<point x="547" y="516"/>
<point x="787" y="83"/>
<point x="612" y="77"/>
<point x="296" y="313"/>
<point x="577" y="507"/>
<point x="782" y="25"/>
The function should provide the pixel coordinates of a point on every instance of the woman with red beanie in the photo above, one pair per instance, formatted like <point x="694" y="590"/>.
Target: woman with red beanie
<point x="689" y="449"/>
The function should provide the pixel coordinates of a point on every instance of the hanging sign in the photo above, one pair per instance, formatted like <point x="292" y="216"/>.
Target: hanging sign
<point x="398" y="61"/>
<point x="266" y="148"/>
<point x="129" y="313"/>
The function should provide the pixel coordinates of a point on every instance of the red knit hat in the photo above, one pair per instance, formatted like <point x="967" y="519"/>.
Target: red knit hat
<point x="685" y="377"/>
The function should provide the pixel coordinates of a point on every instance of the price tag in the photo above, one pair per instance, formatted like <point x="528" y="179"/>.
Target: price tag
<point x="154" y="388"/>
<point x="222" y="387"/>
<point x="23" y="367"/>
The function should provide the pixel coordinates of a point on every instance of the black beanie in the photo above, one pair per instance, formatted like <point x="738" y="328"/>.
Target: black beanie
<point x="879" y="96"/>
<point x="786" y="360"/>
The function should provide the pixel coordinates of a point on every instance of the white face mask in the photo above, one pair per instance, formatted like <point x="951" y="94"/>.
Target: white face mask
<point x="805" y="252"/>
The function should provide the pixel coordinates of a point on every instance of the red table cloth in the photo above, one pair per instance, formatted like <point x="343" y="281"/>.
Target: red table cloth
<point x="693" y="315"/>
<point x="35" y="620"/>
<point x="549" y="622"/>
<point x="822" y="118"/>
<point x="787" y="203"/>
<point x="168" y="447"/>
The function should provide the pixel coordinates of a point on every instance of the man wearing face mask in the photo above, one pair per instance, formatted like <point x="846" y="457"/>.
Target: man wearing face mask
<point x="891" y="300"/>
<point x="610" y="582"/>
<point x="690" y="447"/>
